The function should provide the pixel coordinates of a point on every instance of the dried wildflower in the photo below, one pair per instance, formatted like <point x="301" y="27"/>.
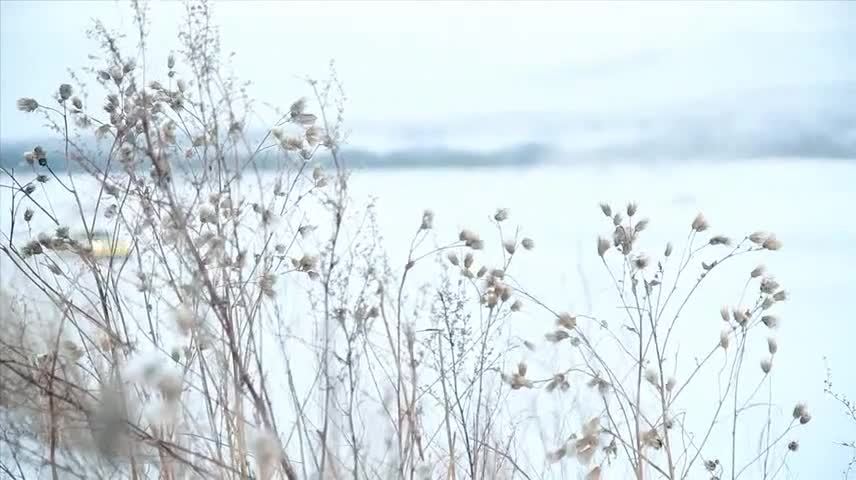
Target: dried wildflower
<point x="427" y="220"/>
<point x="297" y="107"/>
<point x="767" y="303"/>
<point x="710" y="465"/>
<point x="557" y="336"/>
<point x="566" y="320"/>
<point x="185" y="319"/>
<point x="40" y="154"/>
<point x="793" y="445"/>
<point x="651" y="376"/>
<point x="476" y="244"/>
<point x="670" y="384"/>
<point x="207" y="214"/>
<point x="557" y="454"/>
<point x="453" y="258"/>
<point x="652" y="439"/>
<point x="739" y="316"/>
<point x="766" y="365"/>
<point x="28" y="214"/>
<point x="617" y="219"/>
<point x="30" y="158"/>
<point x="468" y="260"/>
<point x="606" y="209"/>
<point x="725" y="313"/>
<point x="27" y="104"/>
<point x="759" y="237"/>
<point x="631" y="209"/>
<point x="724" y="339"/>
<point x="641" y="225"/>
<point x="772" y="345"/>
<point x="805" y="418"/>
<point x="769" y="285"/>
<point x="641" y="261"/>
<point x="772" y="243"/>
<point x="29" y="188"/>
<point x="510" y="246"/>
<point x="313" y="135"/>
<point x="266" y="284"/>
<point x="77" y="103"/>
<point x="602" y="246"/>
<point x="780" y="296"/>
<point x="117" y="75"/>
<point x="516" y="306"/>
<point x="800" y="410"/>
<point x="720" y="240"/>
<point x="169" y="385"/>
<point x="65" y="91"/>
<point x="481" y="272"/>
<point x="528" y="243"/>
<point x="700" y="223"/>
<point x="501" y="214"/>
<point x="770" y="321"/>
<point x="467" y="235"/>
<point x="668" y="250"/>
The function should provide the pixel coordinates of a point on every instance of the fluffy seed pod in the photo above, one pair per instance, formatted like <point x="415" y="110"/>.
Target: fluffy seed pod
<point x="602" y="246"/>
<point x="606" y="209"/>
<point x="700" y="223"/>
<point x="528" y="243"/>
<point x="766" y="365"/>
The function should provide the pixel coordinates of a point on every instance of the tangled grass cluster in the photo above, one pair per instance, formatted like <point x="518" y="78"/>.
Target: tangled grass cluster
<point x="177" y="360"/>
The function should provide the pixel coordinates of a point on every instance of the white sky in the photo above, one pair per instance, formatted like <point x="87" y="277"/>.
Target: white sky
<point x="413" y="61"/>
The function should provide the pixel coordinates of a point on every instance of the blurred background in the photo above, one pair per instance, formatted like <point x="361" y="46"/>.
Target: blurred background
<point x="743" y="110"/>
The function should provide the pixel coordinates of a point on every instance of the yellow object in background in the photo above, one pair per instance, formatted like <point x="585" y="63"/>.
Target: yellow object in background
<point x="101" y="248"/>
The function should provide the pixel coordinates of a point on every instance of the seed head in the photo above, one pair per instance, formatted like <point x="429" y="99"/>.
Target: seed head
<point x="27" y="104"/>
<point x="725" y="313"/>
<point x="759" y="237"/>
<point x="29" y="188"/>
<point x="724" y="338"/>
<point x="427" y="220"/>
<point x="800" y="409"/>
<point x="606" y="209"/>
<point x="766" y="365"/>
<point x="516" y="306"/>
<point x="767" y="303"/>
<point x="65" y="92"/>
<point x="720" y="240"/>
<point x="528" y="243"/>
<point x="566" y="320"/>
<point x="602" y="246"/>
<point x="77" y="102"/>
<point x="641" y="225"/>
<point x="772" y="243"/>
<point x="641" y="261"/>
<point x="670" y="384"/>
<point x="651" y="376"/>
<point x="668" y="251"/>
<point x="793" y="445"/>
<point x="453" y="258"/>
<point x="770" y="321"/>
<point x="780" y="296"/>
<point x="510" y="246"/>
<point x="481" y="272"/>
<point x="631" y="209"/>
<point x="170" y="61"/>
<point x="468" y="260"/>
<point x="617" y="219"/>
<point x="769" y="285"/>
<point x="501" y="214"/>
<point x="805" y="418"/>
<point x="700" y="223"/>
<point x="772" y="345"/>
<point x="758" y="271"/>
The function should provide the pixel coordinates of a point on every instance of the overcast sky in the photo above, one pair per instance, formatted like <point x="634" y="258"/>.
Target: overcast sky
<point x="413" y="62"/>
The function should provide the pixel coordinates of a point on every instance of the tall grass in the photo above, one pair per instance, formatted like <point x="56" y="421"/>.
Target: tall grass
<point x="178" y="360"/>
